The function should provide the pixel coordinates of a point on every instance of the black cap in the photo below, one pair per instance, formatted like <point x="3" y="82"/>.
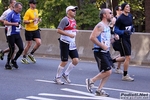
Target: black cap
<point x="33" y="1"/>
<point x="123" y="5"/>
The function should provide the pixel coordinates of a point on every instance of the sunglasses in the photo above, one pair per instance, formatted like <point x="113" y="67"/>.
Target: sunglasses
<point x="73" y="10"/>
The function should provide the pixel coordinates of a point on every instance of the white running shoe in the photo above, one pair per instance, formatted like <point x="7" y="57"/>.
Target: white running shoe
<point x="31" y="57"/>
<point x="127" y="78"/>
<point x="25" y="61"/>
<point x="118" y="71"/>
<point x="66" y="77"/>
<point x="89" y="85"/>
<point x="58" y="81"/>
<point x="101" y="93"/>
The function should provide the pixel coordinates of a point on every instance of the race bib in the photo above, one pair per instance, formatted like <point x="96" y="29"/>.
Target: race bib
<point x="36" y="21"/>
<point x="18" y="28"/>
<point x="72" y="46"/>
<point x="128" y="28"/>
<point x="107" y="43"/>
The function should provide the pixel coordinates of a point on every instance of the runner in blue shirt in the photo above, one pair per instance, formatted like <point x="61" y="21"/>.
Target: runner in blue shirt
<point x="13" y="35"/>
<point x="124" y="28"/>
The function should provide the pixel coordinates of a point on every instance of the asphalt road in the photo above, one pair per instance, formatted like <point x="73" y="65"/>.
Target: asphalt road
<point x="35" y="82"/>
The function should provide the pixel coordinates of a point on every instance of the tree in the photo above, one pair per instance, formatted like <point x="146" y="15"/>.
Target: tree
<point x="5" y="4"/>
<point x="52" y="11"/>
<point x="114" y="4"/>
<point x="147" y="15"/>
<point x="88" y="15"/>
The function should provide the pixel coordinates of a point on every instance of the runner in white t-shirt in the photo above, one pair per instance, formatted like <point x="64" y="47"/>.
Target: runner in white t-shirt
<point x="67" y="29"/>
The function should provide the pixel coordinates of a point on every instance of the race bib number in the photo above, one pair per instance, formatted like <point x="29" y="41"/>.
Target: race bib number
<point x="36" y="21"/>
<point x="107" y="43"/>
<point x="72" y="46"/>
<point x="18" y="28"/>
<point x="128" y="28"/>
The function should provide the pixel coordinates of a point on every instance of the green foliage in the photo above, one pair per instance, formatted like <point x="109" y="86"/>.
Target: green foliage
<point x="99" y="3"/>
<point x="1" y="11"/>
<point x="1" y="6"/>
<point x="52" y="11"/>
<point x="87" y="17"/>
<point x="25" y="6"/>
<point x="87" y="14"/>
<point x="5" y="4"/>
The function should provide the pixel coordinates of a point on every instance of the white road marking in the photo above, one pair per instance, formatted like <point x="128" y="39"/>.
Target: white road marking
<point x="21" y="99"/>
<point x="78" y="92"/>
<point x="38" y="98"/>
<point x="87" y="94"/>
<point x="46" y="81"/>
<point x="77" y="97"/>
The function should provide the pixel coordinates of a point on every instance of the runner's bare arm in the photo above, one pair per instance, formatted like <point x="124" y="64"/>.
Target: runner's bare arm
<point x="96" y="32"/>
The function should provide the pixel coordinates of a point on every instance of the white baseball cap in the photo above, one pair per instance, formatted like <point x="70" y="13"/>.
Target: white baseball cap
<point x="71" y="7"/>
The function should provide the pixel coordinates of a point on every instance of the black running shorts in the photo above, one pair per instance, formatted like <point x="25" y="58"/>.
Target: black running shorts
<point x="65" y="52"/>
<point x="125" y="47"/>
<point x="116" y="45"/>
<point x="30" y="35"/>
<point x="104" y="61"/>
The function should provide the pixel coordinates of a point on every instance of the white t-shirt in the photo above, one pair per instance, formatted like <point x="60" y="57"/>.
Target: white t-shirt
<point x="5" y="13"/>
<point x="68" y="25"/>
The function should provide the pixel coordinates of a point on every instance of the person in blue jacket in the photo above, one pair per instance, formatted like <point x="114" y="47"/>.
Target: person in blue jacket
<point x="124" y="28"/>
<point x="13" y="22"/>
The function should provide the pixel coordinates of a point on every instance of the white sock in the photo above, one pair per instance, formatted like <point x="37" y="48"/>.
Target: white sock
<point x="70" y="67"/>
<point x="59" y="71"/>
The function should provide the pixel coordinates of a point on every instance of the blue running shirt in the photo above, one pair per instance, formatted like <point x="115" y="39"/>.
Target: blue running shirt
<point x="104" y="37"/>
<point x="13" y="17"/>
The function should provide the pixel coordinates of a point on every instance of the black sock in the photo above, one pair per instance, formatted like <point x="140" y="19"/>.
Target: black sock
<point x="33" y="51"/>
<point x="24" y="56"/>
<point x="13" y="60"/>
<point x="114" y="60"/>
<point x="125" y="73"/>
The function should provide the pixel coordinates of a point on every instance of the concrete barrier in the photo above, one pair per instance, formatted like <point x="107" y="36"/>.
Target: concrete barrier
<point x="50" y="46"/>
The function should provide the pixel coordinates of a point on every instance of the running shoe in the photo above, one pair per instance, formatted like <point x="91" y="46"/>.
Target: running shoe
<point x="66" y="77"/>
<point x="31" y="57"/>
<point x="58" y="81"/>
<point x="127" y="78"/>
<point x="101" y="93"/>
<point x="118" y="71"/>
<point x="89" y="85"/>
<point x="1" y="55"/>
<point x="7" y="66"/>
<point x="14" y="64"/>
<point x="25" y="61"/>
